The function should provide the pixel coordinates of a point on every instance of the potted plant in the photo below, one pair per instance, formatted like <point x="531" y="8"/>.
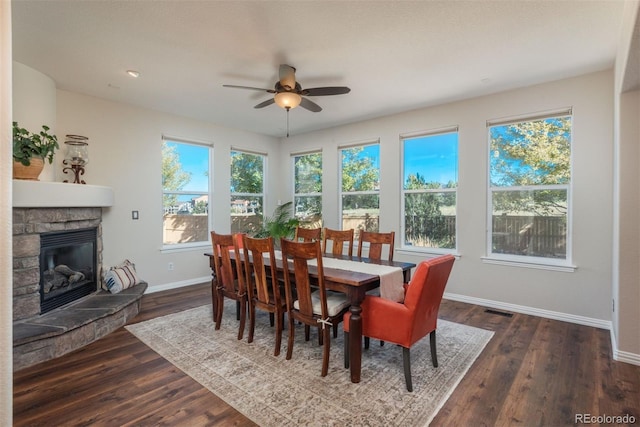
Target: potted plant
<point x="281" y="224"/>
<point x="30" y="150"/>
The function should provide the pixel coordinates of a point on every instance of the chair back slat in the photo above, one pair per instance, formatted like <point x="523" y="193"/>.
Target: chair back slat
<point x="338" y="238"/>
<point x="307" y="234"/>
<point x="301" y="253"/>
<point x="261" y="286"/>
<point x="377" y="242"/>
<point x="230" y="278"/>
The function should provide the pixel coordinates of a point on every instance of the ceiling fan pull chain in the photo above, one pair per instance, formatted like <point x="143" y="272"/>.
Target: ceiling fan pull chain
<point x="288" y="108"/>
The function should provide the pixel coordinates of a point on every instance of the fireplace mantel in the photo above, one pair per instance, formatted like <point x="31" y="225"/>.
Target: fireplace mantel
<point x="41" y="194"/>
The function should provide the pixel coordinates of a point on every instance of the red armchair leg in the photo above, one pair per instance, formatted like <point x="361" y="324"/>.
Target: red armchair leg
<point x="432" y="344"/>
<point x="406" y="361"/>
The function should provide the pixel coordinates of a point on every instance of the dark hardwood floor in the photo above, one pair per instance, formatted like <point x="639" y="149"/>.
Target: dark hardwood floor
<point x="534" y="372"/>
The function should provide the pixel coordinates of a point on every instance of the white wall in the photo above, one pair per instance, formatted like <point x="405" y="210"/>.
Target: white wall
<point x="584" y="295"/>
<point x="125" y="154"/>
<point x="34" y="105"/>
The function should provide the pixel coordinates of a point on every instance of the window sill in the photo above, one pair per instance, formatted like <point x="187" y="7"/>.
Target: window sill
<point x="566" y="268"/>
<point x="185" y="247"/>
<point x="427" y="251"/>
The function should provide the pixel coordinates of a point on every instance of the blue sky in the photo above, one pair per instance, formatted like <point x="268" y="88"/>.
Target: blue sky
<point x="434" y="157"/>
<point x="195" y="160"/>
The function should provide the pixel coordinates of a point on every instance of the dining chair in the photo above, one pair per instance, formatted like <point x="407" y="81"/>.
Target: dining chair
<point x="406" y="323"/>
<point x="338" y="238"/>
<point x="263" y="289"/>
<point x="229" y="278"/>
<point x="315" y="308"/>
<point x="307" y="234"/>
<point x="377" y="242"/>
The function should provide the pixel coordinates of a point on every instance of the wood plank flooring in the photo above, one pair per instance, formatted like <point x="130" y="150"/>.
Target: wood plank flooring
<point x="534" y="372"/>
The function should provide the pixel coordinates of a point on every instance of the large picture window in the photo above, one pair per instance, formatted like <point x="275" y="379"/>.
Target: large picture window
<point x="529" y="187"/>
<point x="185" y="192"/>
<point x="360" y="185"/>
<point x="430" y="181"/>
<point x="247" y="191"/>
<point x="307" y="188"/>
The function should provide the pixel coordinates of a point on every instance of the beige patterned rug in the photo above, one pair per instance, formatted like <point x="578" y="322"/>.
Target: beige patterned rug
<point x="273" y="391"/>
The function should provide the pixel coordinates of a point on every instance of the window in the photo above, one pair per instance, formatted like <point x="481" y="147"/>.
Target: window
<point x="185" y="192"/>
<point x="529" y="183"/>
<point x="247" y="191"/>
<point x="429" y="189"/>
<point x="360" y="184"/>
<point x="307" y="188"/>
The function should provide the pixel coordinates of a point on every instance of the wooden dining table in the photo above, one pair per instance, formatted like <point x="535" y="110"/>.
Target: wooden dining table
<point x="355" y="285"/>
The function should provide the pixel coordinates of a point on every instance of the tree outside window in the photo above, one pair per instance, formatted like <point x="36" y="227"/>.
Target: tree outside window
<point x="529" y="181"/>
<point x="360" y="184"/>
<point x="430" y="171"/>
<point x="247" y="192"/>
<point x="307" y="197"/>
<point x="185" y="190"/>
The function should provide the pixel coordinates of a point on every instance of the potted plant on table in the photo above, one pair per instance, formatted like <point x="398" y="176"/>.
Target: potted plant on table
<point x="30" y="150"/>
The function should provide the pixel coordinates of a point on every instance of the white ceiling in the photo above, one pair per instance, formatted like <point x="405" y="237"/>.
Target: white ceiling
<point x="394" y="55"/>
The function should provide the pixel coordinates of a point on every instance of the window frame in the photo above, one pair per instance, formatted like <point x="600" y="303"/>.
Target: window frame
<point x="342" y="193"/>
<point x="294" y="156"/>
<point x="426" y="133"/>
<point x="189" y="246"/>
<point x="528" y="261"/>
<point x="262" y="195"/>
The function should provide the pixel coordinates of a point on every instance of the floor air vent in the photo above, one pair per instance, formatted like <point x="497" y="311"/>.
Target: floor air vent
<point x="498" y="312"/>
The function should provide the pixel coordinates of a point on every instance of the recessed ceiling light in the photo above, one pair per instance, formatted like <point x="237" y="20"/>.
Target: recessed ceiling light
<point x="133" y="73"/>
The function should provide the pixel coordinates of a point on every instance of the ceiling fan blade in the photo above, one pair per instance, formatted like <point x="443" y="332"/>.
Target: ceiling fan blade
<point x="310" y="105"/>
<point x="324" y="91"/>
<point x="251" y="88"/>
<point x="287" y="76"/>
<point x="265" y="103"/>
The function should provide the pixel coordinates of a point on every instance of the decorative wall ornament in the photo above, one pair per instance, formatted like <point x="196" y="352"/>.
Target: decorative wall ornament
<point x="77" y="157"/>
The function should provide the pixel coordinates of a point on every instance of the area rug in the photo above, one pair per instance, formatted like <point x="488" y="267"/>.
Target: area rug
<point x="273" y="391"/>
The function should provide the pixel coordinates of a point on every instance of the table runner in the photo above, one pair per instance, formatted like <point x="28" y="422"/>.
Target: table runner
<point x="391" y="278"/>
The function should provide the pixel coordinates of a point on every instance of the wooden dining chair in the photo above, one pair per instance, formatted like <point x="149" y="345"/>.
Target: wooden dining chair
<point x="307" y="234"/>
<point x="338" y="238"/>
<point x="229" y="278"/>
<point x="376" y="242"/>
<point x="263" y="289"/>
<point x="406" y="323"/>
<point x="315" y="308"/>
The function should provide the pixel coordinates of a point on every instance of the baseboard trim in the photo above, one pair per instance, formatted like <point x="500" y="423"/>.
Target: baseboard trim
<point x="627" y="357"/>
<point x="555" y="315"/>
<point x="175" y="285"/>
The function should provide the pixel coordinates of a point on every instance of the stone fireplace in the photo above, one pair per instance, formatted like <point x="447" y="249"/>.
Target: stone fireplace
<point x="57" y="242"/>
<point x="29" y="225"/>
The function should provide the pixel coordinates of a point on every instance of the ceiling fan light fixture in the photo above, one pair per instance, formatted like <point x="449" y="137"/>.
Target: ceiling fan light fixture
<point x="287" y="100"/>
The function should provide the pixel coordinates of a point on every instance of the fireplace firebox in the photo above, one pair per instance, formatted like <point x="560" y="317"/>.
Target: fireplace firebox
<point x="67" y="267"/>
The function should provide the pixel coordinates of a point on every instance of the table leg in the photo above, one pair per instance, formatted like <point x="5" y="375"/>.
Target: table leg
<point x="355" y="342"/>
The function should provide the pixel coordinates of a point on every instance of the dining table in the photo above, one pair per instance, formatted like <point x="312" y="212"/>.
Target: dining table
<point x="355" y="283"/>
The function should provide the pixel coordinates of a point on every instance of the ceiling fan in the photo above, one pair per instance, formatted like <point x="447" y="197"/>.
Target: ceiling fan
<point x="289" y="94"/>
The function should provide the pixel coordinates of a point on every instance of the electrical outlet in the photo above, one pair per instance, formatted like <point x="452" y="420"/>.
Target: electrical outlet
<point x="170" y="266"/>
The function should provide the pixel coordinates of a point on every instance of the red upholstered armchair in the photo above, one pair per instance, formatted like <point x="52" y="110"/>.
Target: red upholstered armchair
<point x="406" y="323"/>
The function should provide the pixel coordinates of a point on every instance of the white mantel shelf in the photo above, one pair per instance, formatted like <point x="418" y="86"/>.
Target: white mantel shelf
<point x="42" y="194"/>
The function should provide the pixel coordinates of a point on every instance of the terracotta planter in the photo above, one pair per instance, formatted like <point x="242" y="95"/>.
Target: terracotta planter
<point x="31" y="172"/>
